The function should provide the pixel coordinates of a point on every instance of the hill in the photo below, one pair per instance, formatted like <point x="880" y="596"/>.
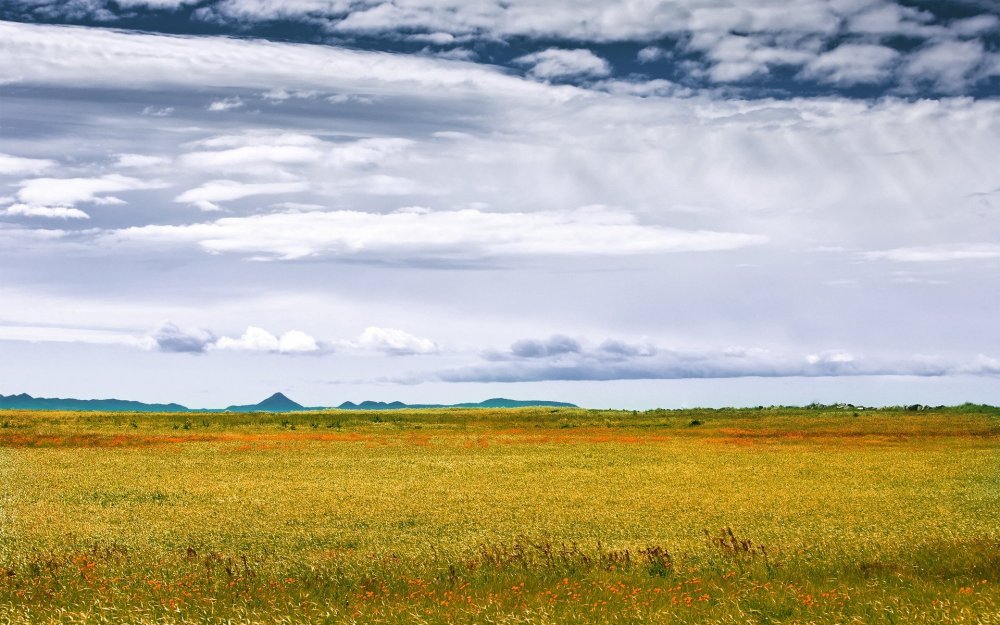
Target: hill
<point x="275" y="403"/>
<point x="27" y="402"/>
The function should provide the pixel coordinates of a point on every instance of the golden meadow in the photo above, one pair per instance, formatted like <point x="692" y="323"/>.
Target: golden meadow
<point x="780" y="515"/>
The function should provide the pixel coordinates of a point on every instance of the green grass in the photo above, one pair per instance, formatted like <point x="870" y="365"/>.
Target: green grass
<point x="837" y="515"/>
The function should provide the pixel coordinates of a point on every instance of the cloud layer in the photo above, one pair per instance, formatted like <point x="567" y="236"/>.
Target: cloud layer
<point x="421" y="233"/>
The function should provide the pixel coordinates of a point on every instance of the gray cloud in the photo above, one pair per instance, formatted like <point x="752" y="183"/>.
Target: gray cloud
<point x="171" y="338"/>
<point x="533" y="361"/>
<point x="555" y="345"/>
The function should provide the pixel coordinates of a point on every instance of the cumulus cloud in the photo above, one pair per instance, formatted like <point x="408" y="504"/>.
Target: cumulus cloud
<point x="420" y="233"/>
<point x="851" y="64"/>
<point x="207" y="196"/>
<point x="556" y="63"/>
<point x="740" y="57"/>
<point x="650" y="54"/>
<point x="20" y="166"/>
<point x="393" y="342"/>
<point x="948" y="65"/>
<point x="169" y="337"/>
<point x="259" y="340"/>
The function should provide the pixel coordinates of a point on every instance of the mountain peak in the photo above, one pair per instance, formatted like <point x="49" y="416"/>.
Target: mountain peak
<point x="278" y="402"/>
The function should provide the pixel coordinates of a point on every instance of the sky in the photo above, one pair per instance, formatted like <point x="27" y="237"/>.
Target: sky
<point x="635" y="204"/>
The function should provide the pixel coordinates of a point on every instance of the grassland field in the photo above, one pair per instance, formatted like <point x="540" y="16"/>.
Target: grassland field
<point x="778" y="515"/>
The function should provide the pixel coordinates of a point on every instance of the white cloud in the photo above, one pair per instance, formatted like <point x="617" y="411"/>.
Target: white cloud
<point x="259" y="340"/>
<point x="650" y="54"/>
<point x="90" y="57"/>
<point x="20" y="166"/>
<point x="281" y="95"/>
<point x="225" y="104"/>
<point x="556" y="63"/>
<point x="739" y="57"/>
<point x="975" y="26"/>
<point x="210" y="193"/>
<point x="938" y="253"/>
<point x="250" y="157"/>
<point x="948" y="65"/>
<point x="393" y="342"/>
<point x="140" y="161"/>
<point x="850" y="64"/>
<point x="778" y="34"/>
<point x="467" y="233"/>
<point x="368" y="151"/>
<point x="379" y="184"/>
<point x="158" y="111"/>
<point x="60" y="334"/>
<point x="69" y="191"/>
<point x="53" y="212"/>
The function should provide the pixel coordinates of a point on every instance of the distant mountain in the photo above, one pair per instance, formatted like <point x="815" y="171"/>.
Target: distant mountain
<point x="27" y="402"/>
<point x="496" y="402"/>
<point x="275" y="403"/>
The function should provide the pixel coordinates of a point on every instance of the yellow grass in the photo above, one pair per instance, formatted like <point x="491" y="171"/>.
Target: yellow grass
<point x="523" y="516"/>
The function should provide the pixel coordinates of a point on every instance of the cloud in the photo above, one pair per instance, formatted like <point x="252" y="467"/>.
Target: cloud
<point x="619" y="360"/>
<point x="207" y="196"/>
<point x="649" y="54"/>
<point x="171" y="338"/>
<point x="948" y="66"/>
<point x="20" y="166"/>
<point x="555" y="64"/>
<point x="69" y="191"/>
<point x="366" y="152"/>
<point x="225" y="104"/>
<point x="975" y="26"/>
<point x="61" y="334"/>
<point x="250" y="157"/>
<point x="393" y="342"/>
<point x="140" y="161"/>
<point x="259" y="340"/>
<point x="732" y="40"/>
<point x="52" y="212"/>
<point x="937" y="253"/>
<point x="420" y="233"/>
<point x="850" y="64"/>
<point x="68" y="56"/>
<point x="555" y="345"/>
<point x="281" y="95"/>
<point x="158" y="111"/>
<point x="735" y="57"/>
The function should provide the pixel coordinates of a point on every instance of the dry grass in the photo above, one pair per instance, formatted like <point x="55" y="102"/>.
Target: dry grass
<point x="526" y="516"/>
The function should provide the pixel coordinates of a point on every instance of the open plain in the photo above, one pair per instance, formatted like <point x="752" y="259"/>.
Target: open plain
<point x="777" y="515"/>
